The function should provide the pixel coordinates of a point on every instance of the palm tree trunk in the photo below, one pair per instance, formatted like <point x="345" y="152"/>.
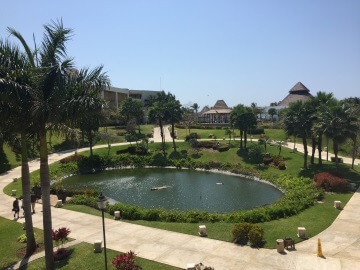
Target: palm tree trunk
<point x="313" y="149"/>
<point x="320" y="149"/>
<point x="245" y="138"/>
<point x="25" y="182"/>
<point x="353" y="152"/>
<point x="336" y="149"/>
<point x="91" y="143"/>
<point x="327" y="148"/>
<point x="45" y="189"/>
<point x="162" y="136"/>
<point x="294" y="143"/>
<point x="173" y="134"/>
<point x="241" y="142"/>
<point x="305" y="152"/>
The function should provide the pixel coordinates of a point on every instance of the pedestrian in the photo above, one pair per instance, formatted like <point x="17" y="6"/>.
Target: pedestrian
<point x="16" y="208"/>
<point x="33" y="199"/>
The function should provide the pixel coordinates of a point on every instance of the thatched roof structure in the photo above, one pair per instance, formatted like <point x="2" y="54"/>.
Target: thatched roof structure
<point x="298" y="92"/>
<point x="219" y="107"/>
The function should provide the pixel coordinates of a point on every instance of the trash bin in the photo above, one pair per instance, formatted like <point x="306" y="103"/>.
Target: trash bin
<point x="280" y="245"/>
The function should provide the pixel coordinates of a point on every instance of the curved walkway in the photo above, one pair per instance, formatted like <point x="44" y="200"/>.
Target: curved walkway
<point x="341" y="241"/>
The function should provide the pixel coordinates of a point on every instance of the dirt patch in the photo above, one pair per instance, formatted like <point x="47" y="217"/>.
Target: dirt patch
<point x="21" y="253"/>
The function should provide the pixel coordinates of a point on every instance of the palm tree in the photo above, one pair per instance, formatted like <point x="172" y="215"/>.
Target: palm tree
<point x="272" y="112"/>
<point x="297" y="122"/>
<point x="196" y="107"/>
<point x="15" y="103"/>
<point x="173" y="114"/>
<point x="235" y="120"/>
<point x="322" y="102"/>
<point x="56" y="99"/>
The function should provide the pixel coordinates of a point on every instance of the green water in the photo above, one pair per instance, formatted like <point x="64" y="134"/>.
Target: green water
<point x="188" y="189"/>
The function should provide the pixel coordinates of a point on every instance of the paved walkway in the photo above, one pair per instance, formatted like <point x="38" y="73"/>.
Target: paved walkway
<point x="157" y="134"/>
<point x="341" y="241"/>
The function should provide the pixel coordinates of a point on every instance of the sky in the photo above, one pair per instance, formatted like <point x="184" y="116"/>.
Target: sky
<point x="202" y="51"/>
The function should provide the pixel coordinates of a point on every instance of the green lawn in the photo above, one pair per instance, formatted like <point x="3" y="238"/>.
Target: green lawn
<point x="9" y="232"/>
<point x="315" y="219"/>
<point x="83" y="257"/>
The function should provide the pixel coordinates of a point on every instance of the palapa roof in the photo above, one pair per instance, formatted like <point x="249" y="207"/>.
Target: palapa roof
<point x="298" y="92"/>
<point x="219" y="107"/>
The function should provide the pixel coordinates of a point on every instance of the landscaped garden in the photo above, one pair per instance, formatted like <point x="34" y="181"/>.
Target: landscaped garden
<point x="280" y="219"/>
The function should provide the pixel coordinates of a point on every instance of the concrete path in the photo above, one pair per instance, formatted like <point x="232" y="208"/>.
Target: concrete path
<point x="157" y="134"/>
<point x="341" y="241"/>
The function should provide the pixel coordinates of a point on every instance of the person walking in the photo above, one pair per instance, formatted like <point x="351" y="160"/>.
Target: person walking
<point x="16" y="208"/>
<point x="33" y="199"/>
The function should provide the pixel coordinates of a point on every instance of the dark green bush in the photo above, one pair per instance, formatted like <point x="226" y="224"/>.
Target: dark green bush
<point x="256" y="235"/>
<point x="254" y="153"/>
<point x="192" y="136"/>
<point x="223" y="148"/>
<point x="240" y="232"/>
<point x="277" y="160"/>
<point x="206" y="144"/>
<point x="257" y="131"/>
<point x="84" y="200"/>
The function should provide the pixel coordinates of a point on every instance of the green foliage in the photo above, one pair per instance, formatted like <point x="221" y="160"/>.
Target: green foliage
<point x="240" y="232"/>
<point x="23" y="239"/>
<point x="192" y="136"/>
<point x="254" y="153"/>
<point x="84" y="200"/>
<point x="256" y="235"/>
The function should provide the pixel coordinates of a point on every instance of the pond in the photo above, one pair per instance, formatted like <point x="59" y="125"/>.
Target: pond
<point x="185" y="189"/>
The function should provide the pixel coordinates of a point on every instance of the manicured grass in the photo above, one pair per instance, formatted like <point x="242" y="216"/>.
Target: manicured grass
<point x="83" y="257"/>
<point x="9" y="232"/>
<point x="315" y="219"/>
<point x="9" y="160"/>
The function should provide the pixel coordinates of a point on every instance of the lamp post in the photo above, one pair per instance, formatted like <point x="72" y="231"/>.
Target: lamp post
<point x="102" y="202"/>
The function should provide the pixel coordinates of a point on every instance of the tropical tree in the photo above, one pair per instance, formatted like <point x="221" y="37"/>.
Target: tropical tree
<point x="157" y="113"/>
<point x="352" y="105"/>
<point x="272" y="112"/>
<point x="173" y="114"/>
<point x="58" y="97"/>
<point x="195" y="107"/>
<point x="244" y="119"/>
<point x="322" y="102"/>
<point x="297" y="122"/>
<point x="15" y="104"/>
<point x="131" y="109"/>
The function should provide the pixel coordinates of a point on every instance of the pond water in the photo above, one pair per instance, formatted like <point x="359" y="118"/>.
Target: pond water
<point x="187" y="189"/>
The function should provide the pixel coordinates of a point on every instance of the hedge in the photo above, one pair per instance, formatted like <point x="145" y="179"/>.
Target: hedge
<point x="300" y="193"/>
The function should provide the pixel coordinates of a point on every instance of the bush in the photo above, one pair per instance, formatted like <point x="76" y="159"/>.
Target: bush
<point x="240" y="232"/>
<point x="125" y="261"/>
<point x="281" y="165"/>
<point x="223" y="148"/>
<point x="254" y="154"/>
<point x="277" y="160"/>
<point x="330" y="182"/>
<point x="71" y="159"/>
<point x="257" y="131"/>
<point x="267" y="161"/>
<point x="192" y="136"/>
<point x="133" y="137"/>
<point x="92" y="163"/>
<point x="84" y="200"/>
<point x="206" y="144"/>
<point x="256" y="235"/>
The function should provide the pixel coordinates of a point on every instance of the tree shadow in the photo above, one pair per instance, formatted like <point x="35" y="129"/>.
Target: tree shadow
<point x="345" y="171"/>
<point x="4" y="162"/>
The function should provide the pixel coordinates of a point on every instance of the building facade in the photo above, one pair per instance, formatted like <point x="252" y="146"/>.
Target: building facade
<point x="115" y="95"/>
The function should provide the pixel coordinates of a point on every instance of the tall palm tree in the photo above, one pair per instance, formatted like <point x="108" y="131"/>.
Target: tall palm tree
<point x="196" y="107"/>
<point x="15" y="104"/>
<point x="236" y="120"/>
<point x="297" y="122"/>
<point x="173" y="115"/>
<point x="58" y="96"/>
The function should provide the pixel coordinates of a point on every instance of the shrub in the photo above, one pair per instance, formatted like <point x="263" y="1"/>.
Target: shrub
<point x="71" y="159"/>
<point x="267" y="161"/>
<point x="92" y="163"/>
<point x="84" y="200"/>
<point x="223" y="148"/>
<point x="254" y="153"/>
<point x="257" y="131"/>
<point x="277" y="160"/>
<point x="206" y="144"/>
<point x="330" y="182"/>
<point x="149" y="135"/>
<point x="192" y="136"/>
<point x="281" y="165"/>
<point x="240" y="232"/>
<point x="125" y="261"/>
<point x="121" y="133"/>
<point x="256" y="235"/>
<point x="132" y="137"/>
<point x="23" y="239"/>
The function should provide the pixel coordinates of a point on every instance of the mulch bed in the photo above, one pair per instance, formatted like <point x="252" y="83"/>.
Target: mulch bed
<point x="21" y="253"/>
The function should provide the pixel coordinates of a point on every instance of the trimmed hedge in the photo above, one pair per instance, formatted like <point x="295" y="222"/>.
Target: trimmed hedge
<point x="300" y="192"/>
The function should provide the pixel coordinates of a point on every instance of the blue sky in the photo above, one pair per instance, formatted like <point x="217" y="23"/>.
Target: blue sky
<point x="239" y="51"/>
